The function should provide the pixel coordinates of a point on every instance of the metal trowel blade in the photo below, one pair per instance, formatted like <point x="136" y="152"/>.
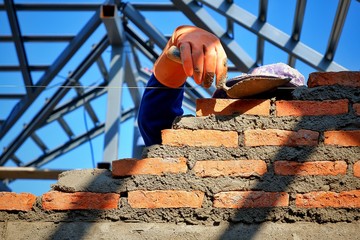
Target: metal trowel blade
<point x="254" y="84"/>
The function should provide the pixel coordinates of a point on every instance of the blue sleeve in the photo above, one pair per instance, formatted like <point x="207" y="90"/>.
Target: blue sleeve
<point x="159" y="107"/>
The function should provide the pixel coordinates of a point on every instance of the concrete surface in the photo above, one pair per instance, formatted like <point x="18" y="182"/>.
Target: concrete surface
<point x="129" y="231"/>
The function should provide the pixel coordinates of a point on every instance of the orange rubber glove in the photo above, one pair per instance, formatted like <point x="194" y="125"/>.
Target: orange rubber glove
<point x="202" y="57"/>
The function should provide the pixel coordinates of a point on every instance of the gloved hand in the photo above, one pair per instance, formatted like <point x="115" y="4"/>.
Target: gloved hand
<point x="202" y="57"/>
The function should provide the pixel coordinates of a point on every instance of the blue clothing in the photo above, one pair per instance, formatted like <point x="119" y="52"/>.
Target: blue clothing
<point x="159" y="107"/>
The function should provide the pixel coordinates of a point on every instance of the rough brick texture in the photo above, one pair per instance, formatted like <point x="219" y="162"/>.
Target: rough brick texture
<point x="242" y="168"/>
<point x="310" y="168"/>
<point x="251" y="199"/>
<point x="276" y="137"/>
<point x="165" y="199"/>
<point x="207" y="106"/>
<point x="345" y="78"/>
<point x="356" y="107"/>
<point x="156" y="166"/>
<point x="346" y="199"/>
<point x="356" y="169"/>
<point x="311" y="108"/>
<point x="79" y="201"/>
<point x="342" y="138"/>
<point x="199" y="138"/>
<point x="16" y="201"/>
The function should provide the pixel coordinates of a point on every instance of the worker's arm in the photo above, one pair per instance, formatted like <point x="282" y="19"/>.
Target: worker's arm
<point x="159" y="107"/>
<point x="202" y="57"/>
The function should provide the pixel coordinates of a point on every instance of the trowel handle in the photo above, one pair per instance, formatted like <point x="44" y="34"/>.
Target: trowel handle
<point x="173" y="53"/>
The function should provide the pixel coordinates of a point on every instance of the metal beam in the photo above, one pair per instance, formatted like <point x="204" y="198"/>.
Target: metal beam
<point x="65" y="127"/>
<point x="201" y="18"/>
<point x="66" y="147"/>
<point x="76" y="102"/>
<point x="154" y="6"/>
<point x="60" y="93"/>
<point x="338" y="24"/>
<point x="53" y="70"/>
<point x="38" y="38"/>
<point x="144" y="25"/>
<point x="39" y="142"/>
<point x="19" y="45"/>
<point x="11" y="96"/>
<point x="103" y="70"/>
<point x="80" y="91"/>
<point x="75" y="142"/>
<point x="113" y="24"/>
<point x="28" y="173"/>
<point x="10" y="68"/>
<point x="113" y="111"/>
<point x="141" y="44"/>
<point x="116" y="36"/>
<point x="297" y="26"/>
<point x="263" y="6"/>
<point x="273" y="35"/>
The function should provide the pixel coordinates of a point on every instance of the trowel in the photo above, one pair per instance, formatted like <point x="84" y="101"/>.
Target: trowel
<point x="244" y="85"/>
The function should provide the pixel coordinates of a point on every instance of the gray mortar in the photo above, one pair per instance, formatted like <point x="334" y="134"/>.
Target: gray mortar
<point x="327" y="93"/>
<point x="240" y="123"/>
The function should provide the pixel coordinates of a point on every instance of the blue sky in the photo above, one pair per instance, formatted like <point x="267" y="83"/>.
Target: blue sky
<point x="316" y="29"/>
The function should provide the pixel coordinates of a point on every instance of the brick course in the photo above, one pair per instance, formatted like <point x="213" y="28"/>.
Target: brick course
<point x="342" y="138"/>
<point x="251" y="199"/>
<point x="207" y="106"/>
<point x="344" y="78"/>
<point x="356" y="107"/>
<point x="311" y="108"/>
<point x="356" y="169"/>
<point x="199" y="138"/>
<point x="346" y="199"/>
<point x="276" y="137"/>
<point x="310" y="168"/>
<point x="16" y="201"/>
<point x="240" y="168"/>
<point x="155" y="166"/>
<point x="55" y="200"/>
<point x="165" y="199"/>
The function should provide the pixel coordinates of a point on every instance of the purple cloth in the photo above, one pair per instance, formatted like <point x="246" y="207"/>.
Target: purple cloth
<point x="281" y="70"/>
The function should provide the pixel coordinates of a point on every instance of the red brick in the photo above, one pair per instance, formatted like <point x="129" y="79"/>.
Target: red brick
<point x="79" y="201"/>
<point x="155" y="166"/>
<point x="207" y="106"/>
<point x="347" y="199"/>
<point x="356" y="107"/>
<point x="16" y="201"/>
<point x="276" y="137"/>
<point x="342" y="138"/>
<point x="344" y="78"/>
<point x="165" y="199"/>
<point x="356" y="169"/>
<point x="251" y="199"/>
<point x="310" y="168"/>
<point x="239" y="168"/>
<point x="199" y="138"/>
<point x="311" y="108"/>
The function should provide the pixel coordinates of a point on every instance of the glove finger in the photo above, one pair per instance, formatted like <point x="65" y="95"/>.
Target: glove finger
<point x="209" y="66"/>
<point x="187" y="62"/>
<point x="221" y="66"/>
<point x="198" y="63"/>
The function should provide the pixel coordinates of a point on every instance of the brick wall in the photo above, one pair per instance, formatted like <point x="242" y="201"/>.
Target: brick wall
<point x="248" y="160"/>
